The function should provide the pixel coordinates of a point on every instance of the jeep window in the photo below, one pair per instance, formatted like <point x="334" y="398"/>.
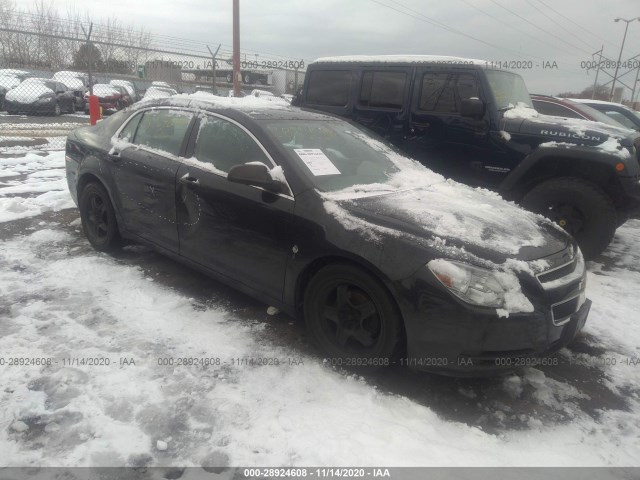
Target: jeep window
<point x="383" y="89"/>
<point x="443" y="92"/>
<point x="223" y="145"/>
<point x="508" y="89"/>
<point x="163" y="130"/>
<point x="329" y="87"/>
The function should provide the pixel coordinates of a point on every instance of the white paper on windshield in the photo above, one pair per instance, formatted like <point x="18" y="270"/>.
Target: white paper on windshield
<point x="317" y="161"/>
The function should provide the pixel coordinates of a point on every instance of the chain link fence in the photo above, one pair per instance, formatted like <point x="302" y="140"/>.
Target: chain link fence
<point x="45" y="80"/>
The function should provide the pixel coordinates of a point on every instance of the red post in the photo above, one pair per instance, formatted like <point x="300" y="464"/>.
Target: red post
<point x="95" y="112"/>
<point x="236" y="48"/>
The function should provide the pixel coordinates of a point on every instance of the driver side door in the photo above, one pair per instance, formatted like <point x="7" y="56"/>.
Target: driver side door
<point x="239" y="231"/>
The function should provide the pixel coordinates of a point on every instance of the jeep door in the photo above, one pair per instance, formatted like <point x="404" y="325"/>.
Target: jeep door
<point x="444" y="140"/>
<point x="382" y="101"/>
<point x="239" y="231"/>
<point x="143" y="166"/>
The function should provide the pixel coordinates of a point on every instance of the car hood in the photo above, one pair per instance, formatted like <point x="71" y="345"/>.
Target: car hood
<point x="455" y="215"/>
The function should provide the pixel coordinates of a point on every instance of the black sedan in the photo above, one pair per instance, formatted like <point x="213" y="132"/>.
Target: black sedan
<point x="386" y="261"/>
<point x="40" y="96"/>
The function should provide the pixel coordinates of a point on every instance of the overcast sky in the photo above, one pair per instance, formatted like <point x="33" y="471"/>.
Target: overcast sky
<point x="299" y="29"/>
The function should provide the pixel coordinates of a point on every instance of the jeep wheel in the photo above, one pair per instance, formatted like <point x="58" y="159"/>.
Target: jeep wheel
<point x="578" y="206"/>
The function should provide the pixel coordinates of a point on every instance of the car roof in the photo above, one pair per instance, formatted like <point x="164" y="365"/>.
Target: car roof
<point x="395" y="59"/>
<point x="250" y="106"/>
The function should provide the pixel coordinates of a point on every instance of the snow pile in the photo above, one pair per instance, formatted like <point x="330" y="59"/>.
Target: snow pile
<point x="521" y="110"/>
<point x="33" y="184"/>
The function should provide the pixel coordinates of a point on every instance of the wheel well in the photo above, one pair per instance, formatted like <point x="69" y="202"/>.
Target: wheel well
<point x="84" y="180"/>
<point x="314" y="267"/>
<point x="548" y="168"/>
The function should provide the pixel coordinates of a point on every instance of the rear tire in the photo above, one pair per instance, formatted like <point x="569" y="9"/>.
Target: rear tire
<point x="578" y="206"/>
<point x="98" y="218"/>
<point x="56" y="110"/>
<point x="352" y="318"/>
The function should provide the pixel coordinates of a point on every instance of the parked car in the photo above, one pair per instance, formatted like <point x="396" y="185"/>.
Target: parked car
<point x="109" y="96"/>
<point x="384" y="259"/>
<point x="129" y="86"/>
<point x="620" y="113"/>
<point x="477" y="124"/>
<point x="125" y="97"/>
<point x="77" y="82"/>
<point x="158" y="92"/>
<point x="7" y="82"/>
<point x="21" y="74"/>
<point x="564" y="107"/>
<point x="39" y="96"/>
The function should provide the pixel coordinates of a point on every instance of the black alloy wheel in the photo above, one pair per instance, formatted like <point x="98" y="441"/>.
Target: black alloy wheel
<point x="98" y="218"/>
<point x="352" y="317"/>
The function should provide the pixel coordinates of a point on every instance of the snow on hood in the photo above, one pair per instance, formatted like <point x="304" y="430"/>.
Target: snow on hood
<point x="459" y="213"/>
<point x="28" y="93"/>
<point x="422" y="203"/>
<point x="9" y="82"/>
<point x="71" y="83"/>
<point x="521" y="110"/>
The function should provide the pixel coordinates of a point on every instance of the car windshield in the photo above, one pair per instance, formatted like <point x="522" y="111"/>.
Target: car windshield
<point x="509" y="89"/>
<point x="336" y="155"/>
<point x="597" y="115"/>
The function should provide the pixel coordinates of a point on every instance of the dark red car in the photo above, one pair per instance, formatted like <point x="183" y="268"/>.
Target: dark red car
<point x="562" y="107"/>
<point x="110" y="97"/>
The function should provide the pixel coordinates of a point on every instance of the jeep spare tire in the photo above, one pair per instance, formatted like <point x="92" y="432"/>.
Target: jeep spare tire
<point x="578" y="206"/>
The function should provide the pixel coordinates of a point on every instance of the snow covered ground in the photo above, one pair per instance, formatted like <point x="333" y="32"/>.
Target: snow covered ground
<point x="135" y="312"/>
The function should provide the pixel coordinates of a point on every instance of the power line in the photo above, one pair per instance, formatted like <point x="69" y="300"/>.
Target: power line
<point x="443" y="26"/>
<point x="570" y="20"/>
<point x="558" y="23"/>
<point x="540" y="28"/>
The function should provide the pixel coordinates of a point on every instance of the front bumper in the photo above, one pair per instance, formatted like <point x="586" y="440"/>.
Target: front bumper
<point x="29" y="108"/>
<point x="446" y="337"/>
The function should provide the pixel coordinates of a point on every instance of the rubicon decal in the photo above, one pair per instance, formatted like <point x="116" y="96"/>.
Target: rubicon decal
<point x="556" y="133"/>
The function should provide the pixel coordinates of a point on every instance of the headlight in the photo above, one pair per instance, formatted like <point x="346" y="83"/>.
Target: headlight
<point x="470" y="284"/>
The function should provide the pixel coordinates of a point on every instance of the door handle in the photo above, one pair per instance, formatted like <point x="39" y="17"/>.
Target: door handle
<point x="114" y="156"/>
<point x="189" y="180"/>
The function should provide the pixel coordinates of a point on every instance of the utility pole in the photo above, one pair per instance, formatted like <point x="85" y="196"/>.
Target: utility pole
<point x="624" y="38"/>
<point x="213" y="66"/>
<point x="595" y="83"/>
<point x="89" y="55"/>
<point x="236" y="48"/>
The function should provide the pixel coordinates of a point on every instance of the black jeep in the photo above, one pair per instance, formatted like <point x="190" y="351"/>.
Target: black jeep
<point x="477" y="125"/>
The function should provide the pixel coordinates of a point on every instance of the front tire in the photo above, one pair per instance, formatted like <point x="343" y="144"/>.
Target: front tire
<point x="578" y="206"/>
<point x="98" y="218"/>
<point x="352" y="318"/>
<point x="56" y="110"/>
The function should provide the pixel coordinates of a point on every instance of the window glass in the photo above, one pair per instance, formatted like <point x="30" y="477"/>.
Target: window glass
<point x="129" y="131"/>
<point x="329" y="87"/>
<point x="443" y="92"/>
<point x="548" y="108"/>
<point x="619" y="117"/>
<point x="383" y="89"/>
<point x="224" y="144"/>
<point x="163" y="129"/>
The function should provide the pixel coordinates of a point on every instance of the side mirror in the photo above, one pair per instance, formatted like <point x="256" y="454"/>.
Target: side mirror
<point x="472" y="108"/>
<point x="256" y="174"/>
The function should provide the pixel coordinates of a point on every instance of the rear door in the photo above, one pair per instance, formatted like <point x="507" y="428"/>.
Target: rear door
<point x="144" y="165"/>
<point x="239" y="231"/>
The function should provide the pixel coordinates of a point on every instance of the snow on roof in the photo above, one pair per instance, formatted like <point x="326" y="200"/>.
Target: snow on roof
<point x="599" y="102"/>
<point x="402" y="59"/>
<point x="245" y="103"/>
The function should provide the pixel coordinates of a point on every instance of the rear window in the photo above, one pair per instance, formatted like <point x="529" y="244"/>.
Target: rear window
<point x="329" y="87"/>
<point x="383" y="89"/>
